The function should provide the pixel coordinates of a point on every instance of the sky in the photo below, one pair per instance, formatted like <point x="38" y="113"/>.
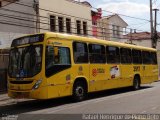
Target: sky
<point x="133" y="8"/>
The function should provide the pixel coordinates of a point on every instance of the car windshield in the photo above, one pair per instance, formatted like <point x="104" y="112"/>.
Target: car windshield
<point x="25" y="61"/>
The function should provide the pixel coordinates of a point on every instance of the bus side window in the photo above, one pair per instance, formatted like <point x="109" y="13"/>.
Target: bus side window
<point x="146" y="57"/>
<point x="113" y="55"/>
<point x="126" y="56"/>
<point x="97" y="53"/>
<point x="137" y="56"/>
<point x="49" y="56"/>
<point x="154" y="58"/>
<point x="80" y="52"/>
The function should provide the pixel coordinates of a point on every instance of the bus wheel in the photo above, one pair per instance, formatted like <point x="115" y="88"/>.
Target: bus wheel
<point x="136" y="83"/>
<point x="79" y="91"/>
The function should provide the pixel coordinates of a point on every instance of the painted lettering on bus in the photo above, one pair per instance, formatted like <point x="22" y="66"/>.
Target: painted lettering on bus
<point x="136" y="68"/>
<point x="97" y="71"/>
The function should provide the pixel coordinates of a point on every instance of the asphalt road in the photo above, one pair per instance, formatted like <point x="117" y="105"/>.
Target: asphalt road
<point x="117" y="101"/>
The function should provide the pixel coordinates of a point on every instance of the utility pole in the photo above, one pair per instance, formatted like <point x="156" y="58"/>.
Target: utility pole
<point x="36" y="8"/>
<point x="155" y="37"/>
<point x="131" y="36"/>
<point x="151" y="23"/>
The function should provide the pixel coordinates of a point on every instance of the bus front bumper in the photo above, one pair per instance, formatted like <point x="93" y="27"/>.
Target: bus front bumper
<point x="40" y="93"/>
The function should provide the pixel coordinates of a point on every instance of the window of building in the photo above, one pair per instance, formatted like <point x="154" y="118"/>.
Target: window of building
<point x="114" y="30"/>
<point x="80" y="51"/>
<point x="68" y="25"/>
<point x="97" y="53"/>
<point x="60" y="24"/>
<point x="137" y="57"/>
<point x="146" y="57"/>
<point x="118" y="30"/>
<point x="126" y="56"/>
<point x="85" y="28"/>
<point x="52" y="23"/>
<point x="113" y="54"/>
<point x="78" y="23"/>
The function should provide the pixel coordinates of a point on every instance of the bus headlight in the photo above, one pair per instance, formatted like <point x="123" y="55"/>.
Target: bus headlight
<point x="37" y="84"/>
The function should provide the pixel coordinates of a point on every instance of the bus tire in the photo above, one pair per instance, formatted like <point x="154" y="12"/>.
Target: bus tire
<point x="79" y="91"/>
<point x="136" y="83"/>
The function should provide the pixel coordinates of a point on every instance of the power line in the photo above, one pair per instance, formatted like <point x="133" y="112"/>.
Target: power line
<point x="154" y="2"/>
<point x="28" y="14"/>
<point x="138" y="23"/>
<point x="100" y="36"/>
<point x="19" y="3"/>
<point x="28" y="26"/>
<point x="124" y="15"/>
<point x="141" y="25"/>
<point x="48" y="18"/>
<point x="26" y="19"/>
<point x="57" y="13"/>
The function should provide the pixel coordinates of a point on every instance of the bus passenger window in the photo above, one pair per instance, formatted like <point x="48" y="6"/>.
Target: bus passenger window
<point x="80" y="52"/>
<point x="113" y="55"/>
<point x="154" y="58"/>
<point x="57" y="59"/>
<point x="126" y="56"/>
<point x="49" y="56"/>
<point x="97" y="53"/>
<point x="146" y="57"/>
<point x="136" y="56"/>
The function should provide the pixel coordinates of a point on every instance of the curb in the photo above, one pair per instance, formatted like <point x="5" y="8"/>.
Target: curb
<point x="4" y="97"/>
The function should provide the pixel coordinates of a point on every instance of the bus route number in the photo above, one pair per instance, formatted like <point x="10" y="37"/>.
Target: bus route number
<point x="136" y="68"/>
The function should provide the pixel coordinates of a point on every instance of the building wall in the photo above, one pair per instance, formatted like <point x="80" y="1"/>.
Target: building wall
<point x="145" y="43"/>
<point x="7" y="37"/>
<point x="108" y="32"/>
<point x="16" y="23"/>
<point x="26" y="23"/>
<point x="65" y="9"/>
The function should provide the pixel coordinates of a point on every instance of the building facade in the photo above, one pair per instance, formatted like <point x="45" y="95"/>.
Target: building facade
<point x="16" y="20"/>
<point x="19" y="17"/>
<point x="142" y="39"/>
<point x="112" y="28"/>
<point x="66" y="16"/>
<point x="96" y="16"/>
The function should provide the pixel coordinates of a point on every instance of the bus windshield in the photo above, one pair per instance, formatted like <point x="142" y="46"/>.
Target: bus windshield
<point x="25" y="61"/>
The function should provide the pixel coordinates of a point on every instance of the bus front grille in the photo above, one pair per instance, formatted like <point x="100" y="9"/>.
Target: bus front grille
<point x="21" y="82"/>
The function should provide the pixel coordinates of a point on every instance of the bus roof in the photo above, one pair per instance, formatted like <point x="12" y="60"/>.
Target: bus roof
<point x="94" y="40"/>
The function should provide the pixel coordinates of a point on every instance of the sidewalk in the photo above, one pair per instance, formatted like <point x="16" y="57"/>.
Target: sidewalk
<point x="4" y="96"/>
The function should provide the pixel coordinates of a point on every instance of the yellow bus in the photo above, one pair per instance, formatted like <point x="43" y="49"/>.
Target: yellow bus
<point x="52" y="65"/>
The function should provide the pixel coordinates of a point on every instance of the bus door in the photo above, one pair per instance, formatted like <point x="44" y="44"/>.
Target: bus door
<point x="58" y="68"/>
